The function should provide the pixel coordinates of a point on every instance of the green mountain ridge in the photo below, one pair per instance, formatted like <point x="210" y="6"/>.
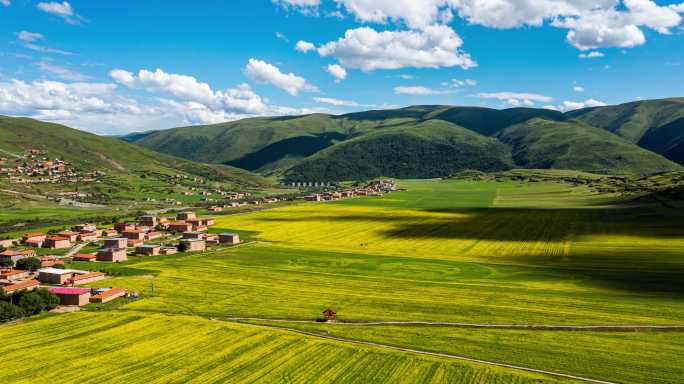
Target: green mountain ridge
<point x="123" y="161"/>
<point x="380" y="141"/>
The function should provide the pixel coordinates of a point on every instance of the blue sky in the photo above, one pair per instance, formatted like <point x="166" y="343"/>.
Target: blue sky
<point x="115" y="67"/>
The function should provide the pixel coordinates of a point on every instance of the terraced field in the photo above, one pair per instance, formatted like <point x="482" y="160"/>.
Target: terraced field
<point x="474" y="252"/>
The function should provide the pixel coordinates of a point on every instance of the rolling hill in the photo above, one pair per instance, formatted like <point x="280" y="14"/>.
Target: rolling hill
<point x="125" y="163"/>
<point x="433" y="140"/>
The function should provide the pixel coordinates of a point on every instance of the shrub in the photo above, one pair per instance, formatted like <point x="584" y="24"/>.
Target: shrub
<point x="29" y="264"/>
<point x="50" y="300"/>
<point x="32" y="303"/>
<point x="6" y="263"/>
<point x="10" y="312"/>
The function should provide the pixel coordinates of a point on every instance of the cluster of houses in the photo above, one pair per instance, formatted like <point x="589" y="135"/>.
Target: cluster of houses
<point x="375" y="188"/>
<point x="235" y="204"/>
<point x="34" y="167"/>
<point x="60" y="281"/>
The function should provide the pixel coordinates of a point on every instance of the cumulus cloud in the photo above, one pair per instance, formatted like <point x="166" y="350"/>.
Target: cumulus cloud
<point x="266" y="73"/>
<point x="591" y="24"/>
<point x="367" y="49"/>
<point x="591" y="55"/>
<point x="304" y="46"/>
<point x="515" y="99"/>
<point x="61" y="72"/>
<point x="419" y="91"/>
<point x="337" y="71"/>
<point x="578" y="88"/>
<point x="63" y="10"/>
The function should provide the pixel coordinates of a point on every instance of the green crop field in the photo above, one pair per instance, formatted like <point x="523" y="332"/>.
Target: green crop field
<point x="442" y="251"/>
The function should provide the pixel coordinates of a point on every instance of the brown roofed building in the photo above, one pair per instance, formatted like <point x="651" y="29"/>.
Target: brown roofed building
<point x="17" y="255"/>
<point x="121" y="227"/>
<point x="116" y="242"/>
<point x="72" y="236"/>
<point x="112" y="255"/>
<point x="14" y="275"/>
<point x="88" y="236"/>
<point x="108" y="295"/>
<point x="229" y="238"/>
<point x="180" y="226"/>
<point x="194" y="245"/>
<point x="33" y="236"/>
<point x="22" y="285"/>
<point x="57" y="242"/>
<point x="86" y="278"/>
<point x="85" y="257"/>
<point x="147" y="250"/>
<point x="186" y="216"/>
<point x="134" y="234"/>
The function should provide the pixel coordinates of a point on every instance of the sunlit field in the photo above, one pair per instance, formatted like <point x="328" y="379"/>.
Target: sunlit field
<point x="454" y="251"/>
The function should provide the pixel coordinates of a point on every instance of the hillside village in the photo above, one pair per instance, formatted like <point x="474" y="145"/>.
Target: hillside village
<point x="40" y="259"/>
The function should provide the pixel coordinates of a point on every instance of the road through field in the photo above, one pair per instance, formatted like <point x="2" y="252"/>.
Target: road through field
<point x="435" y="354"/>
<point x="540" y="327"/>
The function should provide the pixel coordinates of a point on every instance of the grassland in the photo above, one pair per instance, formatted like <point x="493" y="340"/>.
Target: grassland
<point x="443" y="251"/>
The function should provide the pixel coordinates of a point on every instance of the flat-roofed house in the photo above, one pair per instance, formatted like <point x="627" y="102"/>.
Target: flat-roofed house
<point x="57" y="242"/>
<point x="85" y="257"/>
<point x="115" y="242"/>
<point x="112" y="255"/>
<point x="108" y="295"/>
<point x="168" y="250"/>
<point x="194" y="245"/>
<point x="186" y="216"/>
<point x="14" y="275"/>
<point x="134" y="234"/>
<point x="121" y="227"/>
<point x="87" y="227"/>
<point x="229" y="238"/>
<point x="148" y="220"/>
<point x="180" y="226"/>
<point x="133" y="243"/>
<point x="153" y="235"/>
<point x="33" y="237"/>
<point x="193" y="235"/>
<point x="54" y="276"/>
<point x="50" y="261"/>
<point x="147" y="250"/>
<point x="28" y="285"/>
<point x="110" y="232"/>
<point x="17" y="255"/>
<point x="85" y="278"/>
<point x="72" y="236"/>
<point x="88" y="236"/>
<point x="72" y="296"/>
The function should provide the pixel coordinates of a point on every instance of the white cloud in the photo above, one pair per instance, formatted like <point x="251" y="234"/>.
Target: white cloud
<point x="6" y="3"/>
<point x="406" y="77"/>
<point x="573" y="105"/>
<point x="578" y="88"/>
<point x="281" y="36"/>
<point x="61" y="72"/>
<point x="591" y="55"/>
<point x="337" y="71"/>
<point x="336" y="102"/>
<point x="456" y="83"/>
<point x="266" y="73"/>
<point x="63" y="10"/>
<point x="29" y="37"/>
<point x="304" y="46"/>
<point x="368" y="50"/>
<point x="43" y="49"/>
<point x="419" y="91"/>
<point x="591" y="23"/>
<point x="515" y="99"/>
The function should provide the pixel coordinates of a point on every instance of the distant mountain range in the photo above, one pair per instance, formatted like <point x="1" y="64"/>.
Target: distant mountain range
<point x="435" y="141"/>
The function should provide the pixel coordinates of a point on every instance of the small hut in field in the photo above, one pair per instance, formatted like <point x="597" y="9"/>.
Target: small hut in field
<point x="329" y="314"/>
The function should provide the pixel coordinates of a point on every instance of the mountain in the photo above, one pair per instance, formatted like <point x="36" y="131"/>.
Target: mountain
<point x="657" y="125"/>
<point x="125" y="163"/>
<point x="402" y="142"/>
<point x="544" y="144"/>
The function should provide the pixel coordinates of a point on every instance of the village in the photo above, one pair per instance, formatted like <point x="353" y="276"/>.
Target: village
<point x="25" y="265"/>
<point x="34" y="166"/>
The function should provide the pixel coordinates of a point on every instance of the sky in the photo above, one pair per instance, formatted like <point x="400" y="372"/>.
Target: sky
<point x="114" y="67"/>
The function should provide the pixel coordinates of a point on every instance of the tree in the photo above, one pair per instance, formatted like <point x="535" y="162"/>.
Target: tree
<point x="10" y="312"/>
<point x="29" y="264"/>
<point x="6" y="262"/>
<point x="32" y="303"/>
<point x="50" y="300"/>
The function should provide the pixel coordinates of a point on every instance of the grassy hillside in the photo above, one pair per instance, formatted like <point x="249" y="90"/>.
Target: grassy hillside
<point x="575" y="145"/>
<point x="430" y="149"/>
<point x="305" y="145"/>
<point x="126" y="163"/>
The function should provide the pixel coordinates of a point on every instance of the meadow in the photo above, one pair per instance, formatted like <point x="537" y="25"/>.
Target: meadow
<point x="443" y="251"/>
